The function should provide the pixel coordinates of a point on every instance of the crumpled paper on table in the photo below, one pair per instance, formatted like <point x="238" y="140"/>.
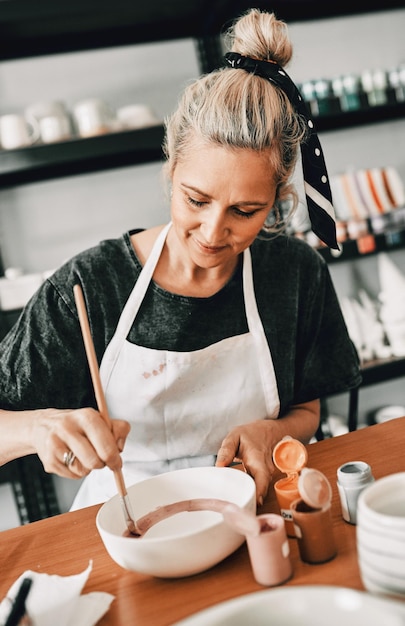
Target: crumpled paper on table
<point x="57" y="600"/>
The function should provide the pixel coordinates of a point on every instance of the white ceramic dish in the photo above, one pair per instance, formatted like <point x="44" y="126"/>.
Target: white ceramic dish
<point x="310" y="605"/>
<point x="186" y="543"/>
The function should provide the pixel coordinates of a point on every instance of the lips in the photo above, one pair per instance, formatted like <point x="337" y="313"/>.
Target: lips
<point x="209" y="249"/>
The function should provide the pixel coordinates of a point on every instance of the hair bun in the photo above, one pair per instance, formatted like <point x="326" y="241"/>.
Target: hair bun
<point x="259" y="34"/>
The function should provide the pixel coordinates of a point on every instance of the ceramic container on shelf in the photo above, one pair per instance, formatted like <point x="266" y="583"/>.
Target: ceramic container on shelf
<point x="17" y="132"/>
<point x="92" y="117"/>
<point x="133" y="116"/>
<point x="52" y="118"/>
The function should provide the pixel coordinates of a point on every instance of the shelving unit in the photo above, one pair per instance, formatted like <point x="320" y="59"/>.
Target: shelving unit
<point x="349" y="249"/>
<point x="28" y="31"/>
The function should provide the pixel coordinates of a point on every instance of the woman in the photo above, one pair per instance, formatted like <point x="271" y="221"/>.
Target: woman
<point x="214" y="340"/>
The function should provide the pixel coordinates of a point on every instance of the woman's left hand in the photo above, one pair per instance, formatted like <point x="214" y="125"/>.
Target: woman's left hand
<point x="253" y="443"/>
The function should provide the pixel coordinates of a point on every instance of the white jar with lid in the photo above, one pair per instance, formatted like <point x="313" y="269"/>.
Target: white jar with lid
<point x="352" y="477"/>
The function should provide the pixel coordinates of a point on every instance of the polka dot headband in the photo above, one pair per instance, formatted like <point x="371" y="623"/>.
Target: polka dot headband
<point x="317" y="189"/>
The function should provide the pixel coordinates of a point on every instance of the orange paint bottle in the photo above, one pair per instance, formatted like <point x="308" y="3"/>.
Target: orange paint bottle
<point x="290" y="456"/>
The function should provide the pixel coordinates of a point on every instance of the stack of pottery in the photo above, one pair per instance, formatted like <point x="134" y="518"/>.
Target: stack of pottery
<point x="392" y="297"/>
<point x="381" y="535"/>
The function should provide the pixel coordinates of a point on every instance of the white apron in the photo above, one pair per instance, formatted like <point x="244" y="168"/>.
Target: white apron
<point x="181" y="404"/>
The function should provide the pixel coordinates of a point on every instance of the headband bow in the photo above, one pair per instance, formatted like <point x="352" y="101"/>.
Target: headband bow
<point x="317" y="189"/>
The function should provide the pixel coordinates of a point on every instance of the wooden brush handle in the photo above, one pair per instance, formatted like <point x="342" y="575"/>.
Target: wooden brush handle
<point x="91" y="354"/>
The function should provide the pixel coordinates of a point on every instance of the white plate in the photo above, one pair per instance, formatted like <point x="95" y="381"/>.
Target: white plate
<point x="307" y="605"/>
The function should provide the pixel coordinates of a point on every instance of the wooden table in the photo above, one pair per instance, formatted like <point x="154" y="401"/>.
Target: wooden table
<point x="64" y="545"/>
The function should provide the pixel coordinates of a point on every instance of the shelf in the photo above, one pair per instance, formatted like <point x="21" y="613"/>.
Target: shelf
<point x="374" y="372"/>
<point x="79" y="156"/>
<point x="350" y="251"/>
<point x="369" y="115"/>
<point x="382" y="370"/>
<point x="31" y="29"/>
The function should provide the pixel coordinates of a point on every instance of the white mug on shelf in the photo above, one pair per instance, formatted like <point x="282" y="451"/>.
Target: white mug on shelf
<point x="52" y="118"/>
<point x="16" y="131"/>
<point x="92" y="117"/>
<point x="44" y="108"/>
<point x="136" y="116"/>
<point x="54" y="128"/>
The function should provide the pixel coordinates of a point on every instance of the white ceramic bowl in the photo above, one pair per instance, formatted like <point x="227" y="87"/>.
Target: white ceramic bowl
<point x="387" y="544"/>
<point x="302" y="605"/>
<point x="381" y="535"/>
<point x="186" y="543"/>
<point x="390" y="564"/>
<point x="382" y="504"/>
<point x="390" y="412"/>
<point x="380" y="581"/>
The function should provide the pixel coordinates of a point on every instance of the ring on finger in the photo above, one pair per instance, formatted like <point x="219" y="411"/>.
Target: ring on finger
<point x="68" y="458"/>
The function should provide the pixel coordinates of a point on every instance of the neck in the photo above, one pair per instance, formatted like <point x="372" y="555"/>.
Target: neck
<point x="176" y="273"/>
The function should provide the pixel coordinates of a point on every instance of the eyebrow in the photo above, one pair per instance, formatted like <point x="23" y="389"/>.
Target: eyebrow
<point x="254" y="203"/>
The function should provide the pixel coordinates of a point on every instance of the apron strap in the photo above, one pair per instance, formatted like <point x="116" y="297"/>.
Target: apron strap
<point x="131" y="307"/>
<point x="255" y="326"/>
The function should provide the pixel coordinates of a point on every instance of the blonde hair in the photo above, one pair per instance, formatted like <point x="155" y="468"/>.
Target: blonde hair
<point x="236" y="109"/>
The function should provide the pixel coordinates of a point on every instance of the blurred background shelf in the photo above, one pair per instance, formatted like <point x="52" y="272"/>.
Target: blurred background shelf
<point x="384" y="242"/>
<point x="374" y="372"/>
<point x="380" y="370"/>
<point x="362" y="117"/>
<point x="80" y="156"/>
<point x="48" y="27"/>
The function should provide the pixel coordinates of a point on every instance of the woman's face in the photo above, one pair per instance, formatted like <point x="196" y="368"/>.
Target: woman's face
<point x="221" y="198"/>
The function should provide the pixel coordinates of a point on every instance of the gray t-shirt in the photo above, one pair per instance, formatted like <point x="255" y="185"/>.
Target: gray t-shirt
<point x="42" y="359"/>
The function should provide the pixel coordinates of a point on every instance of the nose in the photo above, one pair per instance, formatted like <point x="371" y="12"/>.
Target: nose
<point x="214" y="226"/>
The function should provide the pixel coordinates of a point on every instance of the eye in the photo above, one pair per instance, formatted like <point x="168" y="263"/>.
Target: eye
<point x="194" y="202"/>
<point x="244" y="214"/>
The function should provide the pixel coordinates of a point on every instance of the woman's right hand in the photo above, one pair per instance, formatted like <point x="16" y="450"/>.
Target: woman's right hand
<point x="51" y="433"/>
<point x="85" y="434"/>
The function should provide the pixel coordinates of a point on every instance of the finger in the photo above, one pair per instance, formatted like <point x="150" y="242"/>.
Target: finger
<point x="227" y="452"/>
<point x="121" y="431"/>
<point x="262" y="472"/>
<point x="74" y="466"/>
<point x="83" y="431"/>
<point x="262" y="484"/>
<point x="94" y="443"/>
<point x="63" y="462"/>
